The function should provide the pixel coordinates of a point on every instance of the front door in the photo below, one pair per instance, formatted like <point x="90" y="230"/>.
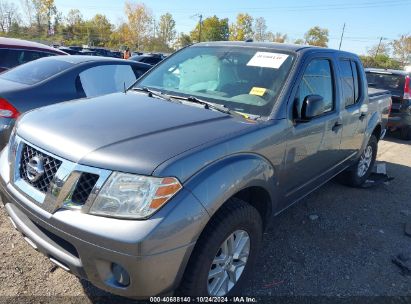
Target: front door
<point x="313" y="146"/>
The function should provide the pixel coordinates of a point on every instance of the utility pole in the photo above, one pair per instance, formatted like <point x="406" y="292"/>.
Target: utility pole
<point x="200" y="26"/>
<point x="378" y="48"/>
<point x="342" y="35"/>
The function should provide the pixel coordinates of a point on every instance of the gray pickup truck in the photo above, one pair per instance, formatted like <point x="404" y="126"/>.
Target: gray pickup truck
<point x="168" y="187"/>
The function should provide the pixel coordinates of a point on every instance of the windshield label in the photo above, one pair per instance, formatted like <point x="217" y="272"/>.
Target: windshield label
<point x="267" y="60"/>
<point x="258" y="91"/>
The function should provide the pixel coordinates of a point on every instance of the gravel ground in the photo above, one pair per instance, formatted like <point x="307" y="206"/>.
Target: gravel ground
<point x="338" y="241"/>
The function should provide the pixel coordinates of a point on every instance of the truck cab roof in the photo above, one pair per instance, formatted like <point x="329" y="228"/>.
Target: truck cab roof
<point x="285" y="47"/>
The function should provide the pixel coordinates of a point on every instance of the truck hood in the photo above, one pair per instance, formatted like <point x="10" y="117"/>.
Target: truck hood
<point x="125" y="132"/>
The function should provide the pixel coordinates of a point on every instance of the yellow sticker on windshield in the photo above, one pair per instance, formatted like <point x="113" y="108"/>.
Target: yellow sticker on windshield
<point x="258" y="91"/>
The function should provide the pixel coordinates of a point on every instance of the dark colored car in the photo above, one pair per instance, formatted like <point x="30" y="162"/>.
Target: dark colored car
<point x="398" y="83"/>
<point x="151" y="59"/>
<point x="14" y="52"/>
<point x="69" y="50"/>
<point x="100" y="51"/>
<point x="117" y="54"/>
<point x="170" y="186"/>
<point x="76" y="47"/>
<point x="55" y="79"/>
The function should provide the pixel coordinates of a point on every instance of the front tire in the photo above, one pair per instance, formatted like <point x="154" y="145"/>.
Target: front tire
<point x="225" y="253"/>
<point x="361" y="170"/>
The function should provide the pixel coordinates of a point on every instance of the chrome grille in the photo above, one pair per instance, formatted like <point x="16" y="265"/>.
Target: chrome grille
<point x="84" y="187"/>
<point x="51" y="165"/>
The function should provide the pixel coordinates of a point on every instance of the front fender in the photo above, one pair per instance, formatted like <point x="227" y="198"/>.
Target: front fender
<point x="220" y="180"/>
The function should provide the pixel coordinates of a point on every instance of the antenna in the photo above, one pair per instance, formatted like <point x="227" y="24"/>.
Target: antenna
<point x="125" y="90"/>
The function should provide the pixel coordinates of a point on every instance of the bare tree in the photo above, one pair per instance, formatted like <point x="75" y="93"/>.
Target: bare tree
<point x="28" y="10"/>
<point x="277" y="37"/>
<point x="260" y="29"/>
<point x="402" y="49"/>
<point x="8" y="15"/>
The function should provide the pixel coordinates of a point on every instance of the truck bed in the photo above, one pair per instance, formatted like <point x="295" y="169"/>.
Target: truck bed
<point x="372" y="92"/>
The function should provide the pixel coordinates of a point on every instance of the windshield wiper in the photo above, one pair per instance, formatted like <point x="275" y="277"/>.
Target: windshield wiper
<point x="210" y="105"/>
<point x="151" y="93"/>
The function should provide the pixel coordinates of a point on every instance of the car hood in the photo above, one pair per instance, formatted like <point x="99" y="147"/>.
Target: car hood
<point x="126" y="132"/>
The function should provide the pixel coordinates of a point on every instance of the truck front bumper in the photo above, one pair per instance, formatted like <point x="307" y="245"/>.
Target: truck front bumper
<point x="130" y="258"/>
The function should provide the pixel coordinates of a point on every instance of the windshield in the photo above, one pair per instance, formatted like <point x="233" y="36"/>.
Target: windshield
<point x="35" y="71"/>
<point x="246" y="80"/>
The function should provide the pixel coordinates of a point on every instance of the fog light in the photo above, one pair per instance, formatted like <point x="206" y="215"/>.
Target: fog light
<point x="120" y="275"/>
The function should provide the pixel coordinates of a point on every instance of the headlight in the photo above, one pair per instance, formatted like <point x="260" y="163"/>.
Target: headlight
<point x="133" y="196"/>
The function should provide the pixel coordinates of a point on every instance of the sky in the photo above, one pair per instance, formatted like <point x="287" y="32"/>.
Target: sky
<point x="366" y="20"/>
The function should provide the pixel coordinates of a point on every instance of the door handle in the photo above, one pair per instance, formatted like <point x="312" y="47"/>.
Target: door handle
<point x="336" y="126"/>
<point x="362" y="116"/>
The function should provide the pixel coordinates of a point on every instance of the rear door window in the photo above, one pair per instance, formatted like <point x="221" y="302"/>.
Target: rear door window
<point x="106" y="79"/>
<point x="387" y="81"/>
<point x="10" y="58"/>
<point x="35" y="71"/>
<point x="350" y="82"/>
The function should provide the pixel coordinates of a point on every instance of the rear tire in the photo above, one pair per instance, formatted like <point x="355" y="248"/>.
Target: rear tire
<point x="405" y="133"/>
<point x="361" y="170"/>
<point x="239" y="224"/>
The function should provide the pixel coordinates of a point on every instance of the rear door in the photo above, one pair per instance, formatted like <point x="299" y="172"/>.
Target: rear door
<point x="313" y="147"/>
<point x="353" y="111"/>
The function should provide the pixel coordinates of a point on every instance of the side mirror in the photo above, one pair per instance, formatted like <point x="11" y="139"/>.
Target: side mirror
<point x="313" y="105"/>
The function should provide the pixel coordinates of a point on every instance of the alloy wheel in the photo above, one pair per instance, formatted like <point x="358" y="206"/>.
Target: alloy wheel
<point x="229" y="263"/>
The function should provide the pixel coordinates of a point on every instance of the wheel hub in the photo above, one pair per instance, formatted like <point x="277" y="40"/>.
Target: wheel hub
<point x="229" y="263"/>
<point x="365" y="161"/>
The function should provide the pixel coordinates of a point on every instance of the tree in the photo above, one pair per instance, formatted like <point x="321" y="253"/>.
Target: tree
<point x="75" y="26"/>
<point x="243" y="28"/>
<point x="44" y="12"/>
<point x="139" y="22"/>
<point x="277" y="37"/>
<point x="74" y="17"/>
<point x="183" y="40"/>
<point x="380" y="49"/>
<point x="167" y="29"/>
<point x="299" y="41"/>
<point x="28" y="10"/>
<point x="8" y="15"/>
<point x="317" y="36"/>
<point x="101" y="29"/>
<point x="260" y="29"/>
<point x="382" y="61"/>
<point x="212" y="29"/>
<point x="402" y="49"/>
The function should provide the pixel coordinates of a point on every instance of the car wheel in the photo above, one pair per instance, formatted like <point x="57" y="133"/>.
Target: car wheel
<point x="225" y="252"/>
<point x="406" y="133"/>
<point x="361" y="170"/>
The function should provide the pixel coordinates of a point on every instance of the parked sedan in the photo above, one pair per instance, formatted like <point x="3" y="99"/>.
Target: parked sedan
<point x="14" y="52"/>
<point x="55" y="79"/>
